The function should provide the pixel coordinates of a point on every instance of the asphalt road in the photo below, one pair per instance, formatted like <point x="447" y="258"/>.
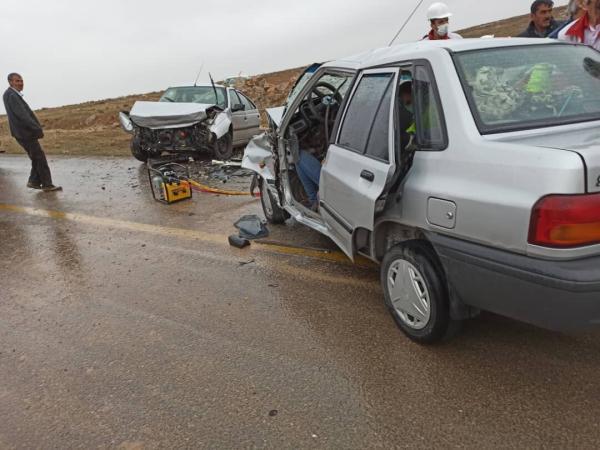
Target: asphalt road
<point x="129" y="324"/>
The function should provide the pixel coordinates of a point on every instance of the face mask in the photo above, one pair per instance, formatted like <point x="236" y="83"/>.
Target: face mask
<point x="409" y="107"/>
<point x="443" y="29"/>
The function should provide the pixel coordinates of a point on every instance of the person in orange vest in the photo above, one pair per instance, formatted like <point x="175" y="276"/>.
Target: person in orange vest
<point x="439" y="15"/>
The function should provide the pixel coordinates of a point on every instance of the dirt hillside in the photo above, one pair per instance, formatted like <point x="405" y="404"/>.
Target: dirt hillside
<point x="92" y="128"/>
<point x="509" y="27"/>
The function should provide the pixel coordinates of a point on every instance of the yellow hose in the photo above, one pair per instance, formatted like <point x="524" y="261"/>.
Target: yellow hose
<point x="211" y="190"/>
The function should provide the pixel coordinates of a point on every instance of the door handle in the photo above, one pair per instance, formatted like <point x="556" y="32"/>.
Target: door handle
<point x="369" y="176"/>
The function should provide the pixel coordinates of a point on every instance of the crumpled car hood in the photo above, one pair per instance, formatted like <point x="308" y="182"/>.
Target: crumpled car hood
<point x="161" y="115"/>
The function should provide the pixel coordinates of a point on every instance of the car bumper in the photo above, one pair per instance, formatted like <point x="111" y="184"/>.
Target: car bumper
<point x="558" y="295"/>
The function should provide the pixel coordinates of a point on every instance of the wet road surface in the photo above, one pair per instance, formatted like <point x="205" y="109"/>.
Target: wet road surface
<point x="127" y="323"/>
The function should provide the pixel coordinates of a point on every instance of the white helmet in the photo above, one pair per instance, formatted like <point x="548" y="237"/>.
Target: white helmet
<point x="438" y="11"/>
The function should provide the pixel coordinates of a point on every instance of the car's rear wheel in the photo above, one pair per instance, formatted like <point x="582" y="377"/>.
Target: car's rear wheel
<point x="273" y="213"/>
<point x="416" y="293"/>
<point x="137" y="151"/>
<point x="223" y="148"/>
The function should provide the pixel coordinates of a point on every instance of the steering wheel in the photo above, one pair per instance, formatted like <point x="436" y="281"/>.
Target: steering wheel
<point x="318" y="106"/>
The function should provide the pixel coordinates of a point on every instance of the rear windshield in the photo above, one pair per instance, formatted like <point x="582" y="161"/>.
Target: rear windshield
<point x="196" y="94"/>
<point x="526" y="87"/>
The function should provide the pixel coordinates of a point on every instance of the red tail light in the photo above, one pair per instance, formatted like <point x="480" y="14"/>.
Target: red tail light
<point x="566" y="221"/>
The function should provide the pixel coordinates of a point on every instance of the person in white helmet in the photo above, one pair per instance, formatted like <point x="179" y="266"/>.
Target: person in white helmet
<point x="439" y="16"/>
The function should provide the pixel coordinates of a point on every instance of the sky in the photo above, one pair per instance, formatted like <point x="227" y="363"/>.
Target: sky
<point x="70" y="51"/>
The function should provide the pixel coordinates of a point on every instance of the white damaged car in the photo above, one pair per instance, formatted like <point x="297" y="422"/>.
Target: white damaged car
<point x="190" y="120"/>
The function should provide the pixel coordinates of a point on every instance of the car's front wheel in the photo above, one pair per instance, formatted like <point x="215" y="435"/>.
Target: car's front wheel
<point x="416" y="293"/>
<point x="223" y="148"/>
<point x="273" y="213"/>
<point x="137" y="151"/>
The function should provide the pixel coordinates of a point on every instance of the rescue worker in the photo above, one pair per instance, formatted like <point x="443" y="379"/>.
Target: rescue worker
<point x="406" y="114"/>
<point x="439" y="15"/>
<point x="540" y="90"/>
<point x="542" y="23"/>
<point x="586" y="29"/>
<point x="429" y="121"/>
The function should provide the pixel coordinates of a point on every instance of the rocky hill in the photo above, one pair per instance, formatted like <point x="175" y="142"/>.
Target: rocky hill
<point x="92" y="128"/>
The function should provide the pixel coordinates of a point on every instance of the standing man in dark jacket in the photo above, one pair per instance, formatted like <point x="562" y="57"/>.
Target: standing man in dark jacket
<point x="542" y="23"/>
<point x="26" y="129"/>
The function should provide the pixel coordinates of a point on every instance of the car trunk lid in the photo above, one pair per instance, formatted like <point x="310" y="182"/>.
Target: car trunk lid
<point x="591" y="155"/>
<point x="583" y="140"/>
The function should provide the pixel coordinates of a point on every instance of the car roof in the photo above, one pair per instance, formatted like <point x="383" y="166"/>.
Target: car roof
<point x="418" y="49"/>
<point x="199" y="86"/>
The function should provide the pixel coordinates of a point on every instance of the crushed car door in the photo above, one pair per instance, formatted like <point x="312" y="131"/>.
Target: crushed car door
<point x="360" y="163"/>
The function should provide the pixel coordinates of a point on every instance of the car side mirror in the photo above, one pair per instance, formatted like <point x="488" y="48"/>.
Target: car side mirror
<point x="238" y="107"/>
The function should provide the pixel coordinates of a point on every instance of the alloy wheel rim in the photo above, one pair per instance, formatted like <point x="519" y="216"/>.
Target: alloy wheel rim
<point x="409" y="295"/>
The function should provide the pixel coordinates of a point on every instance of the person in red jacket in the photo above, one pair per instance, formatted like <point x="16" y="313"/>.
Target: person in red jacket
<point x="586" y="29"/>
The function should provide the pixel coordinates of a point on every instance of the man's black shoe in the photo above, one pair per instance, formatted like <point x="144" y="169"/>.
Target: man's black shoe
<point x="33" y="186"/>
<point x="51" y="188"/>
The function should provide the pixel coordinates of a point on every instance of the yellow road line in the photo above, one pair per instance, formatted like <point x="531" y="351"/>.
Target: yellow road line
<point x="212" y="238"/>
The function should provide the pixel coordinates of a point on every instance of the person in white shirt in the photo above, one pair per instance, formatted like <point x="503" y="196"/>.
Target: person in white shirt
<point x="439" y="15"/>
<point x="586" y="29"/>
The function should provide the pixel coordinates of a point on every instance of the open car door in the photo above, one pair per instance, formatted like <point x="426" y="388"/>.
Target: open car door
<point x="360" y="163"/>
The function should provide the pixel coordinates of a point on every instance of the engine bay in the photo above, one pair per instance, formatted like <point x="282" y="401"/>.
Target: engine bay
<point x="193" y="138"/>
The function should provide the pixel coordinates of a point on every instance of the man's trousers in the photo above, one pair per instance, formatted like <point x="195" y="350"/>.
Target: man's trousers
<point x="40" y="172"/>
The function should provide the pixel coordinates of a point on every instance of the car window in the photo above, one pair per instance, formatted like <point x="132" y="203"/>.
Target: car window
<point x="378" y="145"/>
<point x="366" y="105"/>
<point x="196" y="94"/>
<point x="246" y="101"/>
<point x="341" y="84"/>
<point x="528" y="87"/>
<point x="234" y="99"/>
<point x="301" y="82"/>
<point x="430" y="126"/>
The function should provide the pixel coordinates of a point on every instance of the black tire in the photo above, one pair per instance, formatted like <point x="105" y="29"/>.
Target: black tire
<point x="137" y="151"/>
<point x="273" y="213"/>
<point x="418" y="262"/>
<point x="223" y="148"/>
